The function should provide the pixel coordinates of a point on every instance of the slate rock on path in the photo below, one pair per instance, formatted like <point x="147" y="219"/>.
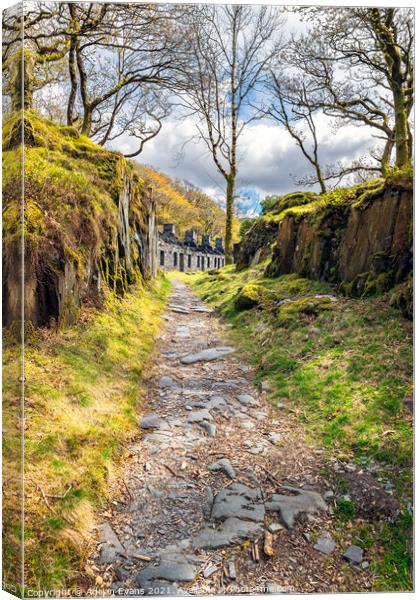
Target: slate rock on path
<point x="201" y="478"/>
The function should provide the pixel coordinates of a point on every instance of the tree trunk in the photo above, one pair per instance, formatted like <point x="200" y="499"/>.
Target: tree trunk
<point x="230" y="192"/>
<point x="21" y="71"/>
<point x="386" y="156"/>
<point x="401" y="128"/>
<point x="73" y="82"/>
<point x="320" y="179"/>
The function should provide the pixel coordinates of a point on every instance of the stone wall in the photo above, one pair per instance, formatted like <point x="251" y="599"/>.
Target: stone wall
<point x="188" y="255"/>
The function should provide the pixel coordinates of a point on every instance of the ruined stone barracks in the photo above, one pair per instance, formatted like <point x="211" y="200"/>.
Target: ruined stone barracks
<point x="188" y="255"/>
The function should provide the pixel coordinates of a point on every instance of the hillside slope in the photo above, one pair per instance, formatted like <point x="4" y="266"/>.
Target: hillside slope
<point x="185" y="206"/>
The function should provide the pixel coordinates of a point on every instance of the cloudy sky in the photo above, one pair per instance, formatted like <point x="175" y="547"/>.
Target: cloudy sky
<point x="269" y="159"/>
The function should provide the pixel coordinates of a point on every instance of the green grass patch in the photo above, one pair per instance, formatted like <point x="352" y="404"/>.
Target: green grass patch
<point x="343" y="367"/>
<point x="83" y="394"/>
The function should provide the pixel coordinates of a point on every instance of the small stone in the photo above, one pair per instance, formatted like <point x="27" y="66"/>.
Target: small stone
<point x="365" y="564"/>
<point x="111" y="546"/>
<point x="231" y="570"/>
<point x="354" y="555"/>
<point x="208" y="571"/>
<point x="261" y="327"/>
<point x="265" y="387"/>
<point x="281" y="405"/>
<point x="209" y="428"/>
<point x="166" y="382"/>
<point x="199" y="415"/>
<point x="223" y="465"/>
<point x="274" y="437"/>
<point x="121" y="573"/>
<point x="275" y="527"/>
<point x="328" y="494"/>
<point x="231" y="531"/>
<point x="290" y="507"/>
<point x="153" y="421"/>
<point x="257" y="449"/>
<point x="325" y="544"/>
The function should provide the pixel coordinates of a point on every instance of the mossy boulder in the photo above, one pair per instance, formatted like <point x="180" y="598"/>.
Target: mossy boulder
<point x="291" y="311"/>
<point x="249" y="296"/>
<point x="401" y="297"/>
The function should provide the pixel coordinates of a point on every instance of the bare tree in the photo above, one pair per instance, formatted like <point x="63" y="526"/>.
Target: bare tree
<point x="25" y="66"/>
<point x="291" y="106"/>
<point x="115" y="64"/>
<point x="360" y="60"/>
<point x="231" y="48"/>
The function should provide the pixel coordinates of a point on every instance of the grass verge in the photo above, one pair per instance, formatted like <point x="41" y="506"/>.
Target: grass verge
<point x="341" y="366"/>
<point x="83" y="391"/>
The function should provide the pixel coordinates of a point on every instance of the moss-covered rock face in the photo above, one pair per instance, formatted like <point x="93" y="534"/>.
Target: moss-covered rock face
<point x="359" y="237"/>
<point x="88" y="221"/>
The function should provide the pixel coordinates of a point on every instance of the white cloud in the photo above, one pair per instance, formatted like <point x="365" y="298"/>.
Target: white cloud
<point x="268" y="157"/>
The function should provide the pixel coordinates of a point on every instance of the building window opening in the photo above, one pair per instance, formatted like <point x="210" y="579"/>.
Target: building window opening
<point x="175" y="259"/>
<point x="162" y="258"/>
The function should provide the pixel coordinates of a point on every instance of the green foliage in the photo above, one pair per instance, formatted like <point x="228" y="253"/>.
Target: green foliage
<point x="268" y="204"/>
<point x="249" y="296"/>
<point x="394" y="571"/>
<point x="246" y="225"/>
<point x="345" y="510"/>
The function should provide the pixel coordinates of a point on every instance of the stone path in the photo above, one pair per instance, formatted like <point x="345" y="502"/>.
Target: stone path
<point x="216" y="495"/>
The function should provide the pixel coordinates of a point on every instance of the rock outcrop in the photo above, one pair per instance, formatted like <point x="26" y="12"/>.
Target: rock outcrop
<point x="360" y="238"/>
<point x="88" y="224"/>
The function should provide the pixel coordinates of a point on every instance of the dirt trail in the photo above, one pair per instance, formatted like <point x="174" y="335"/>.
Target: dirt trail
<point x="220" y="495"/>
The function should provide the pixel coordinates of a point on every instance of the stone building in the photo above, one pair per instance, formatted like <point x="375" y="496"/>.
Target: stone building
<point x="188" y="255"/>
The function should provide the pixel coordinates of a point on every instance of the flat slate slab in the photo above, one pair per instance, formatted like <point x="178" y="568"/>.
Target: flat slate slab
<point x="354" y="555"/>
<point x="198" y="416"/>
<point x="207" y="355"/>
<point x="166" y="382"/>
<point x="111" y="546"/>
<point x="239" y="501"/>
<point x="289" y="507"/>
<point x="247" y="400"/>
<point x="325" y="544"/>
<point x="153" y="421"/>
<point x="230" y="532"/>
